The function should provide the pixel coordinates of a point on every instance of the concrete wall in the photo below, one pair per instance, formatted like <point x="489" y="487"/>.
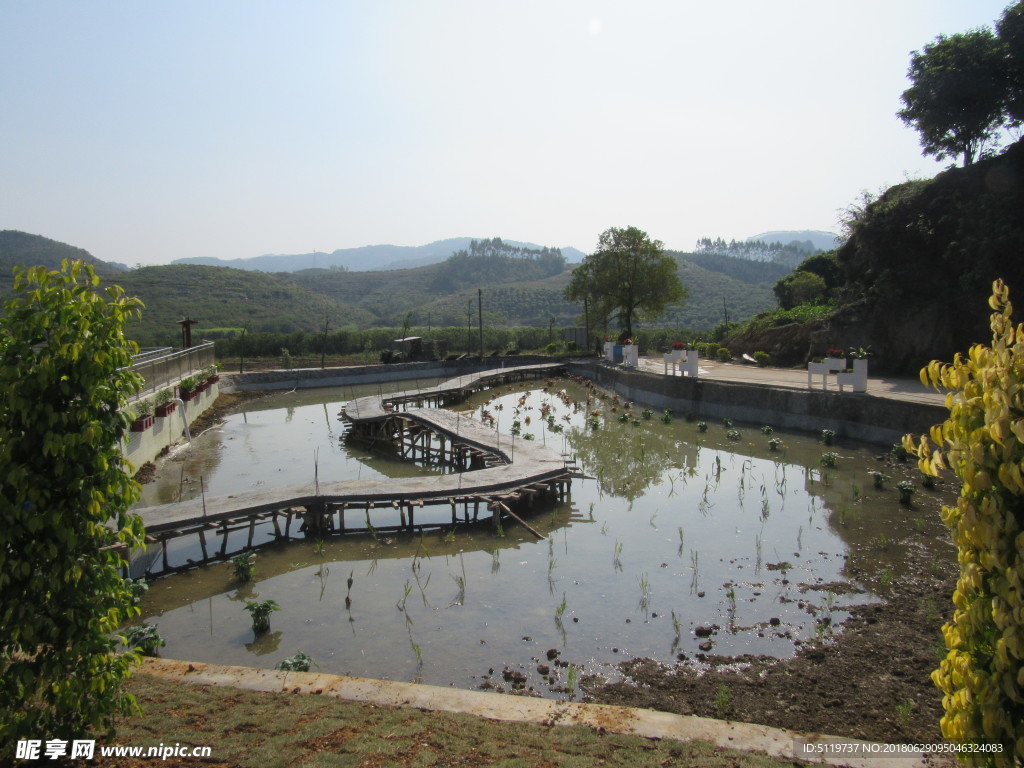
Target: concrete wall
<point x="140" y="447"/>
<point x="862" y="416"/>
<point x="428" y="372"/>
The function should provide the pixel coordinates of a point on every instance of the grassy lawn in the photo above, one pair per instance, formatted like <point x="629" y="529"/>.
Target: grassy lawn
<point x="266" y="730"/>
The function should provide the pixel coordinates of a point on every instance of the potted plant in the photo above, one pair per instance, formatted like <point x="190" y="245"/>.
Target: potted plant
<point x="213" y="373"/>
<point x="165" y="404"/>
<point x="188" y="387"/>
<point x="906" y="489"/>
<point x="630" y="352"/>
<point x="143" y="416"/>
<point x="260" y="611"/>
<point x="835" y="359"/>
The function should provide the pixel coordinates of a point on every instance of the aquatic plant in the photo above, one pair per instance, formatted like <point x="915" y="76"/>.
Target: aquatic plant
<point x="300" y="662"/>
<point x="137" y="588"/>
<point x="260" y="611"/>
<point x="244" y="566"/>
<point x="906" y="489"/>
<point x="879" y="478"/>
<point x="145" y="638"/>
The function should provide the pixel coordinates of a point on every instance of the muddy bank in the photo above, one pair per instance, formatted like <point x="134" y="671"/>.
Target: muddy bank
<point x="870" y="680"/>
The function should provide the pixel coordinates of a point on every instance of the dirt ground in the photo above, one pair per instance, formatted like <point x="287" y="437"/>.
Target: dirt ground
<point x="868" y="680"/>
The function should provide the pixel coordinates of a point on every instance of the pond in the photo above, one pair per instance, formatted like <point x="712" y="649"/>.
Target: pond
<point x="683" y="539"/>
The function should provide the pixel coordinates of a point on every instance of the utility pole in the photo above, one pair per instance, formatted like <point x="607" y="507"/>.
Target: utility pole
<point x="480" y="314"/>
<point x="469" y="326"/>
<point x="323" y="346"/>
<point x="586" y="322"/>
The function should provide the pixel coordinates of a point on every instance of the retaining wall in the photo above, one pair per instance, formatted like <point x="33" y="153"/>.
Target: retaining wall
<point x="865" y="417"/>
<point x="140" y="447"/>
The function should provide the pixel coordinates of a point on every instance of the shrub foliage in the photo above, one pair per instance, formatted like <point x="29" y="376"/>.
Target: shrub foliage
<point x="982" y="675"/>
<point x="64" y="495"/>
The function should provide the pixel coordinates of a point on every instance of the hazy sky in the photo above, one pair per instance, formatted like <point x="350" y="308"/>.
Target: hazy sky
<point x="149" y="131"/>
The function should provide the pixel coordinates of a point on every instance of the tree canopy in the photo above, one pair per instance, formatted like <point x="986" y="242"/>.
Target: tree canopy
<point x="628" y="277"/>
<point x="958" y="97"/>
<point x="64" y="495"/>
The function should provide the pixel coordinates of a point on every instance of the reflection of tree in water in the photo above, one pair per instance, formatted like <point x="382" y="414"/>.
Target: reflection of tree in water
<point x="624" y="458"/>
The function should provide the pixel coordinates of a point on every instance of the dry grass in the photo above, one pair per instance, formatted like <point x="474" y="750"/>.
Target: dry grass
<point x="265" y="730"/>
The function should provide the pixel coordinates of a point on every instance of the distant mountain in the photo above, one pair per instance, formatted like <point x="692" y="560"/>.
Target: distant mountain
<point x="824" y="241"/>
<point x="366" y="258"/>
<point x="25" y="250"/>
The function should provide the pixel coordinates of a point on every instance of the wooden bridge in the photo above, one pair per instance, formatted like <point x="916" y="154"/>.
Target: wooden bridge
<point x="496" y="473"/>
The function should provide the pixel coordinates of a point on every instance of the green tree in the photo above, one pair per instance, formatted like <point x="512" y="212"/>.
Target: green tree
<point x="629" y="277"/>
<point x="958" y="97"/>
<point x="982" y="441"/>
<point x="1010" y="29"/>
<point x="800" y="287"/>
<point x="64" y="495"/>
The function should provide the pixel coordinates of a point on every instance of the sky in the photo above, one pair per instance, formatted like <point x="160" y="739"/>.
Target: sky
<point x="150" y="131"/>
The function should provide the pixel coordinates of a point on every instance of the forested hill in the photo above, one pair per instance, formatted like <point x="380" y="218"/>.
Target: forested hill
<point x="23" y="249"/>
<point x="915" y="275"/>
<point x="492" y="261"/>
<point x="521" y="286"/>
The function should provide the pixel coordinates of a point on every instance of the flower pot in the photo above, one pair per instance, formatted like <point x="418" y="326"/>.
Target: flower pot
<point x="631" y="355"/>
<point x="142" y="423"/>
<point x="166" y="409"/>
<point x="188" y="394"/>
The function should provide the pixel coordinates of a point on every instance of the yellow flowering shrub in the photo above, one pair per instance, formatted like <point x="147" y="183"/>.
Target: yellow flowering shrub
<point x="982" y="442"/>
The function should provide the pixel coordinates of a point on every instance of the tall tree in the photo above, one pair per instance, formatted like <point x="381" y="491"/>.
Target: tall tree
<point x="64" y="495"/>
<point x="629" y="276"/>
<point x="957" y="100"/>
<point x="1010" y="29"/>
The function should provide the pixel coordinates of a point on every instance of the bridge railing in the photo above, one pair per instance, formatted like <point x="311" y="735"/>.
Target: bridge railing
<point x="164" y="367"/>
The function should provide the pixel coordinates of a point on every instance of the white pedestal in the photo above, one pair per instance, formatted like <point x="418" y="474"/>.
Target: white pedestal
<point x="823" y="369"/>
<point x="688" y="365"/>
<point x="857" y="379"/>
<point x="631" y="355"/>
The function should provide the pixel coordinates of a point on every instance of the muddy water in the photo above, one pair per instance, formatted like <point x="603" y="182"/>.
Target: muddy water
<point x="680" y="537"/>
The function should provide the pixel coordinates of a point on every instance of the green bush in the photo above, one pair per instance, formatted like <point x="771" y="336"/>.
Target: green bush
<point x="723" y="355"/>
<point x="65" y="492"/>
<point x="763" y="359"/>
